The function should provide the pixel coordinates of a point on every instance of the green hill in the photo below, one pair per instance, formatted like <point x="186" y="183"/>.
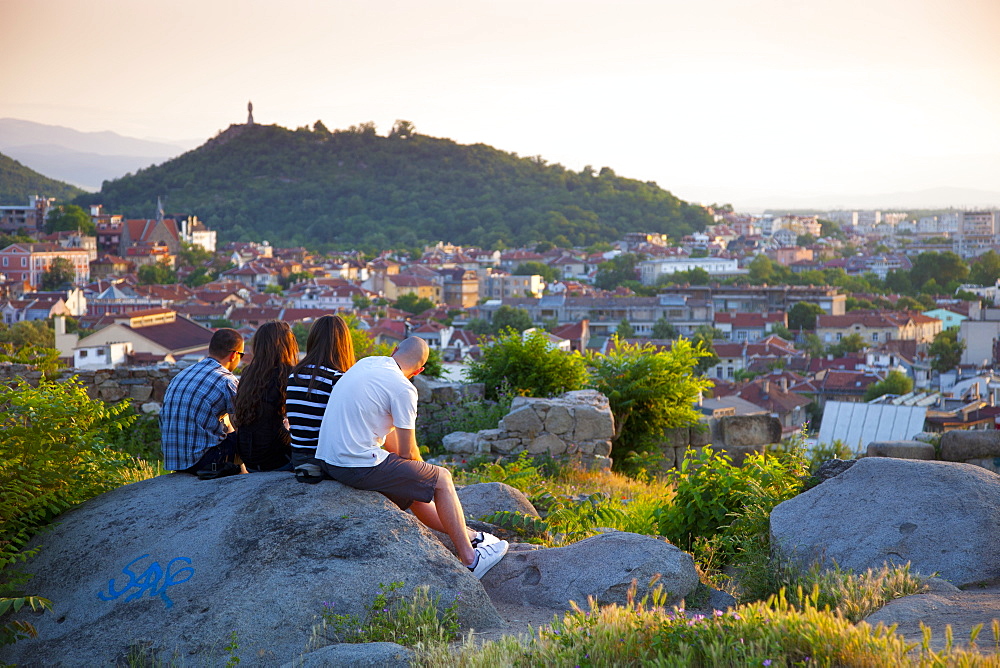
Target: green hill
<point x="354" y="188"/>
<point x="18" y="183"/>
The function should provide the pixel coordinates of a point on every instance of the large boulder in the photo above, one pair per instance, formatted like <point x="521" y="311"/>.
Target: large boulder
<point x="942" y="517"/>
<point x="602" y="566"/>
<point x="485" y="498"/>
<point x="177" y="565"/>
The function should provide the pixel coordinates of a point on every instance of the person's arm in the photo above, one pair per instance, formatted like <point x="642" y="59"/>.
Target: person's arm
<point x="405" y="444"/>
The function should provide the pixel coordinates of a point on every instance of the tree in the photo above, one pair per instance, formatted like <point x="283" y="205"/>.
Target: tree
<point x="703" y="337"/>
<point x="402" y="130"/>
<point x="663" y="329"/>
<point x="617" y="271"/>
<point x="896" y="382"/>
<point x="28" y="333"/>
<point x="761" y="269"/>
<point x="649" y="390"/>
<point x="812" y="345"/>
<point x="158" y="273"/>
<point x="411" y="303"/>
<point x="59" y="274"/>
<point x="510" y="317"/>
<point x="548" y="274"/>
<point x="625" y="330"/>
<point x="851" y="343"/>
<point x="198" y="277"/>
<point x="985" y="269"/>
<point x="946" y="350"/>
<point x="69" y="217"/>
<point x="528" y="365"/>
<point x="803" y="316"/>
<point x="360" y="301"/>
<point x="909" y="304"/>
<point x="943" y="268"/>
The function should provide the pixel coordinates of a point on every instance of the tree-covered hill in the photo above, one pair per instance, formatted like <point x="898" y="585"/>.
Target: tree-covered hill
<point x="18" y="183"/>
<point x="356" y="188"/>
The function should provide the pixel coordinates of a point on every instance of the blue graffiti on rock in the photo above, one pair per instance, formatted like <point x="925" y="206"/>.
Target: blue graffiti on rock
<point x="155" y="580"/>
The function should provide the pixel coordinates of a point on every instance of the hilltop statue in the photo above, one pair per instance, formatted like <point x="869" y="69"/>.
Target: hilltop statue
<point x="249" y="113"/>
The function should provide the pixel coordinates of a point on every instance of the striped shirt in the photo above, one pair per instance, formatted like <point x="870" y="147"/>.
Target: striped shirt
<point x="304" y="409"/>
<point x="189" y="418"/>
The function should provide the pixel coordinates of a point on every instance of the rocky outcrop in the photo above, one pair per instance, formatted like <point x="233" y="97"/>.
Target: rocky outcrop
<point x="577" y="426"/>
<point x="938" y="516"/>
<point x="603" y="566"/>
<point x="489" y="497"/>
<point x="178" y="565"/>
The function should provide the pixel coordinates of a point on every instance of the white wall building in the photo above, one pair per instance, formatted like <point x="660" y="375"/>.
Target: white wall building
<point x="651" y="270"/>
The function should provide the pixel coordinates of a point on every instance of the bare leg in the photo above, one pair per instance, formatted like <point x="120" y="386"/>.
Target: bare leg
<point x="449" y="515"/>
<point x="428" y="514"/>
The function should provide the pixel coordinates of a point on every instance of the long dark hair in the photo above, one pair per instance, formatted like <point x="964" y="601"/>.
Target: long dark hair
<point x="329" y="344"/>
<point x="275" y="351"/>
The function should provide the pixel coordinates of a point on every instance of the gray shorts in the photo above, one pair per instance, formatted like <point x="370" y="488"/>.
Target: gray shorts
<point x="402" y="481"/>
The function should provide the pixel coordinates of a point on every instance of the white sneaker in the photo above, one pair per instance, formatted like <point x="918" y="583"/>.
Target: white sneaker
<point x="488" y="556"/>
<point x="483" y="538"/>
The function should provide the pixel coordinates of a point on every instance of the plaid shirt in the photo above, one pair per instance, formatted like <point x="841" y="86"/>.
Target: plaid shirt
<point x="189" y="418"/>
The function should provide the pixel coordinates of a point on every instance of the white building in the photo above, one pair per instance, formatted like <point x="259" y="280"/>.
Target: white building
<point x="103" y="356"/>
<point x="651" y="270"/>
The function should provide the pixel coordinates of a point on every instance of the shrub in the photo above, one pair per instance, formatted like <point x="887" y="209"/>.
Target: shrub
<point x="529" y="365"/>
<point x="467" y="414"/>
<point x="648" y="390"/>
<point x="53" y="455"/>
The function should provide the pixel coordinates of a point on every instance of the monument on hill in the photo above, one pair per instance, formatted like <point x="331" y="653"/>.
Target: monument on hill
<point x="249" y="113"/>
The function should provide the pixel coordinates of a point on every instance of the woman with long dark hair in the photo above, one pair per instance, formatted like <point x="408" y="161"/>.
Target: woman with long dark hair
<point x="329" y="353"/>
<point x="262" y="437"/>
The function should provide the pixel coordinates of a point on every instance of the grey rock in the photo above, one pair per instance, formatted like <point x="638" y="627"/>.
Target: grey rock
<point x="750" y="430"/>
<point x="559" y="420"/>
<point x="363" y="655"/>
<point x="960" y="445"/>
<point x="938" y="516"/>
<point x="720" y="600"/>
<point x="180" y="564"/>
<point x="487" y="498"/>
<point x="739" y="453"/>
<point x="547" y="443"/>
<point x="461" y="442"/>
<point x="901" y="450"/>
<point x="523" y="421"/>
<point x="831" y="468"/>
<point x="593" y="422"/>
<point x="601" y="566"/>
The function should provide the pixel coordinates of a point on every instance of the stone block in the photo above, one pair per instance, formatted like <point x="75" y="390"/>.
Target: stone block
<point x="593" y="423"/>
<point x="750" y="430"/>
<point x="473" y="391"/>
<point x="459" y="442"/>
<point x="700" y="434"/>
<point x="901" y="450"/>
<point x="523" y="422"/>
<point x="961" y="445"/>
<point x="151" y="408"/>
<point x="559" y="420"/>
<point x="677" y="438"/>
<point x="547" y="443"/>
<point x="140" y="392"/>
<point x="506" y="446"/>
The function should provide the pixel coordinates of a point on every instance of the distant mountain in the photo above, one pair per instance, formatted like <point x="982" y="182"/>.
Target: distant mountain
<point x="354" y="188"/>
<point x="18" y="183"/>
<point x="86" y="159"/>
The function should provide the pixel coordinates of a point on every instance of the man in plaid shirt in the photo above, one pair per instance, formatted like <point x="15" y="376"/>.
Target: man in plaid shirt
<point x="194" y="418"/>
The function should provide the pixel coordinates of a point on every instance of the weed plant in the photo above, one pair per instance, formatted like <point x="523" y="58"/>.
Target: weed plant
<point x="415" y="620"/>
<point x="766" y="633"/>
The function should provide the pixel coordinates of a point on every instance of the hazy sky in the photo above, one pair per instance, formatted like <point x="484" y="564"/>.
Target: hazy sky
<point x="716" y="100"/>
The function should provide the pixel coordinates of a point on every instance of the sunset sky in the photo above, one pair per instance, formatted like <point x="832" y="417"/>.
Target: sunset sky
<point x="715" y="100"/>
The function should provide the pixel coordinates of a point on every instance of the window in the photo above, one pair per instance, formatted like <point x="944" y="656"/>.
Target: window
<point x="24" y="262"/>
<point x="83" y="353"/>
<point x="741" y="336"/>
<point x="729" y="372"/>
<point x="874" y="336"/>
<point x="839" y="336"/>
<point x="5" y="261"/>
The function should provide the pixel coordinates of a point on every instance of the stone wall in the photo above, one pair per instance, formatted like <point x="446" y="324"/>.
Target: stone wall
<point x="577" y="426"/>
<point x="738" y="435"/>
<point x="979" y="448"/>
<point x="143" y="385"/>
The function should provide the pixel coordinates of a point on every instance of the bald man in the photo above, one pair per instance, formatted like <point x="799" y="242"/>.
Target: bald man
<point x="368" y="441"/>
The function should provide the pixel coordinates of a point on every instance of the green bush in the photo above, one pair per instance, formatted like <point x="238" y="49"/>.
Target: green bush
<point x="648" y="390"/>
<point x="54" y="454"/>
<point x="528" y="365"/>
<point x="467" y="414"/>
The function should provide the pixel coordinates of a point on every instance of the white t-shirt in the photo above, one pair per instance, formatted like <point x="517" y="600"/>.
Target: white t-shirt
<point x="366" y="403"/>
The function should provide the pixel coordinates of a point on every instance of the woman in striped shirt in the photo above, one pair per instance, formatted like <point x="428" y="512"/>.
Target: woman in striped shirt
<point x="329" y="353"/>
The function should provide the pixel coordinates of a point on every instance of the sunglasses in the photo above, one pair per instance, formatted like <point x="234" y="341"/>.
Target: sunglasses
<point x="238" y="353"/>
